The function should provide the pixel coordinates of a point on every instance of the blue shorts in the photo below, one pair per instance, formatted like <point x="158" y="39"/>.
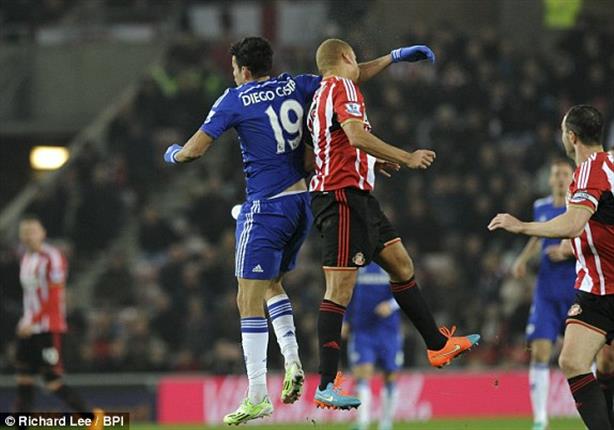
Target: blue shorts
<point x="547" y="317"/>
<point x="383" y="349"/>
<point x="269" y="235"/>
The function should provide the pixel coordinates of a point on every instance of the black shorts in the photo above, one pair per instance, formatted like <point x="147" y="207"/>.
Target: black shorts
<point x="594" y="312"/>
<point x="40" y="354"/>
<point x="352" y="226"/>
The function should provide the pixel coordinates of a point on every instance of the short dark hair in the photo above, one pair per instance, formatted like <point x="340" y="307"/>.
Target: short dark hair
<point x="255" y="53"/>
<point x="29" y="217"/>
<point x="562" y="162"/>
<point x="586" y="122"/>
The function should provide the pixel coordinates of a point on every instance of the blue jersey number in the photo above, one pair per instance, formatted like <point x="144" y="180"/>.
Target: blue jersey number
<point x="283" y="121"/>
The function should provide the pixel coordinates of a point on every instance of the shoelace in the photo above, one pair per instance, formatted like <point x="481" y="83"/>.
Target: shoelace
<point x="447" y="332"/>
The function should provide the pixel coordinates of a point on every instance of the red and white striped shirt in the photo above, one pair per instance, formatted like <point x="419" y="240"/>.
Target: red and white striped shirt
<point x="43" y="277"/>
<point x="338" y="164"/>
<point x="592" y="188"/>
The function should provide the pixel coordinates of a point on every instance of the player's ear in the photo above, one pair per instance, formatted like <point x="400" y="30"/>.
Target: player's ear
<point x="347" y="58"/>
<point x="573" y="137"/>
<point x="246" y="74"/>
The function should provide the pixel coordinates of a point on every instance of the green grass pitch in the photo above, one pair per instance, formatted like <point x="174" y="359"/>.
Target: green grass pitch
<point x="498" y="424"/>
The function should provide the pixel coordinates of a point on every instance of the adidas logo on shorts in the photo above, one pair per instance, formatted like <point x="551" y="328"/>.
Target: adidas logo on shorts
<point x="257" y="269"/>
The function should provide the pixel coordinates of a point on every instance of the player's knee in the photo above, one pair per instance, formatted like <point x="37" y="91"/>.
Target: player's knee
<point x="24" y="380"/>
<point x="275" y="289"/>
<point x="390" y="377"/>
<point x="403" y="270"/>
<point x="53" y="383"/>
<point x="540" y="353"/>
<point x="539" y="357"/>
<point x="250" y="298"/>
<point x="243" y="302"/>
<point x="571" y="366"/>
<point x="340" y="294"/>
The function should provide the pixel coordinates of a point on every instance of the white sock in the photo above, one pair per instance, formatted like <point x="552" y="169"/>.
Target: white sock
<point x="539" y="383"/>
<point x="255" y="339"/>
<point x="280" y="314"/>
<point x="363" y="388"/>
<point x="389" y="405"/>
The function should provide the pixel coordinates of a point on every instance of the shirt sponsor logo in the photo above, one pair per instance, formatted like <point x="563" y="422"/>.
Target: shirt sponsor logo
<point x="353" y="109"/>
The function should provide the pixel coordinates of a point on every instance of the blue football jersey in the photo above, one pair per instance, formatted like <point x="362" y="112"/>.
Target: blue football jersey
<point x="372" y="288"/>
<point x="555" y="280"/>
<point x="268" y="116"/>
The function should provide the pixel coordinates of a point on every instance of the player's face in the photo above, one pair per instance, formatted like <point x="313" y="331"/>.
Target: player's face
<point x="238" y="73"/>
<point x="570" y="150"/>
<point x="560" y="178"/>
<point x="32" y="234"/>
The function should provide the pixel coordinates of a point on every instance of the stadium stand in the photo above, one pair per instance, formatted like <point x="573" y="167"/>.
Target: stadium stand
<point x="168" y="233"/>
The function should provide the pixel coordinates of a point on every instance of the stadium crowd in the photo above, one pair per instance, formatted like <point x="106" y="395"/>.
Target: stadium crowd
<point x="491" y="113"/>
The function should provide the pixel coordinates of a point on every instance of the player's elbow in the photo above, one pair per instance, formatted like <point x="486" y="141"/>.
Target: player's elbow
<point x="574" y="229"/>
<point x="357" y="141"/>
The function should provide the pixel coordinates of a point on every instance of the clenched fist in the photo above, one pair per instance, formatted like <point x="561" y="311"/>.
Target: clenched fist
<point x="420" y="159"/>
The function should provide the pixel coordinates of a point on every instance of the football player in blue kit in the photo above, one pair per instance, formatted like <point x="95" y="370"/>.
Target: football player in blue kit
<point x="268" y="114"/>
<point x="373" y="324"/>
<point x="554" y="291"/>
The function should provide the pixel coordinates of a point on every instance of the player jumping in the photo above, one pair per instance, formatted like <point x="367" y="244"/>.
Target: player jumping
<point x="553" y="294"/>
<point x="353" y="228"/>
<point x="373" y="324"/>
<point x="43" y="272"/>
<point x="589" y="221"/>
<point x="267" y="113"/>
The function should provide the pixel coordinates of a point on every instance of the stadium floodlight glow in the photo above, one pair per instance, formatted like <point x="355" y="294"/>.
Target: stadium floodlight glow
<point x="48" y="157"/>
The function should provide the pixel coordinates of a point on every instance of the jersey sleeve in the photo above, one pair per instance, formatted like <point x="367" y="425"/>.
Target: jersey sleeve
<point x="348" y="102"/>
<point x="308" y="84"/>
<point x="221" y="116"/>
<point x="591" y="183"/>
<point x="56" y="268"/>
<point x="536" y="211"/>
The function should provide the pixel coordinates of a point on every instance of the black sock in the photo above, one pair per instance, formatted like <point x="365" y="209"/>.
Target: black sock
<point x="606" y="382"/>
<point x="73" y="399"/>
<point x="25" y="398"/>
<point x="412" y="303"/>
<point x="330" y="320"/>
<point x="590" y="401"/>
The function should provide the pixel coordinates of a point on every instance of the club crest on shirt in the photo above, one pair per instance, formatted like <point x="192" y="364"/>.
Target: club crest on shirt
<point x="359" y="259"/>
<point x="353" y="109"/>
<point x="574" y="310"/>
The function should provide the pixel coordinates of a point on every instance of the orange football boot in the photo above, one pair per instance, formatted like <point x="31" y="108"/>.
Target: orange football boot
<point x="455" y="346"/>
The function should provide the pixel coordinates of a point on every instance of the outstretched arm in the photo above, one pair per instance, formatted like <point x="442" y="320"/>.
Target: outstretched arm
<point x="367" y="142"/>
<point x="568" y="225"/>
<point x="409" y="54"/>
<point x="372" y="68"/>
<point x="194" y="148"/>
